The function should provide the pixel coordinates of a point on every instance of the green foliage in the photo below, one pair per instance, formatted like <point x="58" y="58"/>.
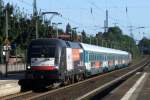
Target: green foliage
<point x="83" y="35"/>
<point x="68" y="29"/>
<point x="144" y="45"/>
<point x="144" y="42"/>
<point x="120" y="41"/>
<point x="22" y="31"/>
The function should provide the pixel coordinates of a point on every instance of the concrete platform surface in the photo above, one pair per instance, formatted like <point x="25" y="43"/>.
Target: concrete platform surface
<point x="10" y="85"/>
<point x="144" y="94"/>
<point x="135" y="88"/>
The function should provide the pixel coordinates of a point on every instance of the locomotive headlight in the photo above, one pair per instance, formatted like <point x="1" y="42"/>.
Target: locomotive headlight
<point x="56" y="67"/>
<point x="28" y="67"/>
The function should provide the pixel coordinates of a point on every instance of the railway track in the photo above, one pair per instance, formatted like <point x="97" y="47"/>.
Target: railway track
<point x="82" y="90"/>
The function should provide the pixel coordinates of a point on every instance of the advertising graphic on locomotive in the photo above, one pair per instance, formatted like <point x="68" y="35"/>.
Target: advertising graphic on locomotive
<point x="59" y="60"/>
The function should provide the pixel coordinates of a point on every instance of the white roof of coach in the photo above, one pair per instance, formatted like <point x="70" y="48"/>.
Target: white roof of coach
<point x="102" y="49"/>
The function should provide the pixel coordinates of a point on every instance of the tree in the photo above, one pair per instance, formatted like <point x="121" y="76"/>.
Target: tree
<point x="74" y="35"/>
<point x="113" y="33"/>
<point x="1" y="21"/>
<point x="144" y="42"/>
<point x="144" y="45"/>
<point x="22" y="31"/>
<point x="99" y="35"/>
<point x="68" y="29"/>
<point x="1" y="7"/>
<point x="83" y="33"/>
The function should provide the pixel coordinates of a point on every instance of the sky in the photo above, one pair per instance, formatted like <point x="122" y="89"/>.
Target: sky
<point x="90" y="14"/>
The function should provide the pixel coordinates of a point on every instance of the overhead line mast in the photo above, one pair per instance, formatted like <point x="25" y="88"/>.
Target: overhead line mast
<point x="35" y="18"/>
<point x="106" y="22"/>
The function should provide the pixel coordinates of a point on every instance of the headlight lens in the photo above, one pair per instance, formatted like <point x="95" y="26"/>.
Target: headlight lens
<point x="28" y="67"/>
<point x="56" y="67"/>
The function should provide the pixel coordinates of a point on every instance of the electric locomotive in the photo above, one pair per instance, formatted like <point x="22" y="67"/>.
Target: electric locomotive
<point x="54" y="60"/>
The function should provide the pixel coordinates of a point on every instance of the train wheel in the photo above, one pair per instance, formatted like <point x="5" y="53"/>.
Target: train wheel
<point x="76" y="78"/>
<point x="66" y="81"/>
<point x="79" y="77"/>
<point x="72" y="79"/>
<point x="82" y="77"/>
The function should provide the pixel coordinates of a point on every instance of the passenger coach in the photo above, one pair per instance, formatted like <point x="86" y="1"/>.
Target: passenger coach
<point x="100" y="59"/>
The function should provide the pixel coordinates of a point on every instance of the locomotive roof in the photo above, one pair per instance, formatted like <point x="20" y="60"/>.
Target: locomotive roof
<point x="47" y="41"/>
<point x="58" y="42"/>
<point x="102" y="49"/>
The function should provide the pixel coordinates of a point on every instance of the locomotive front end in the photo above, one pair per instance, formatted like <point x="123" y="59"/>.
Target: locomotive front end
<point x="43" y="60"/>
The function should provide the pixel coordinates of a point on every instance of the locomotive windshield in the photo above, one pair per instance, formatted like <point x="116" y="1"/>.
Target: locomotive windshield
<point x="43" y="51"/>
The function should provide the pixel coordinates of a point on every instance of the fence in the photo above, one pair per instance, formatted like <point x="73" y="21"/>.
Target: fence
<point x="12" y="68"/>
<point x="16" y="62"/>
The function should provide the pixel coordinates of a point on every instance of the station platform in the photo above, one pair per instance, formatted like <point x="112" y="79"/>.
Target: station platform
<point x="135" y="88"/>
<point x="144" y="94"/>
<point x="10" y="85"/>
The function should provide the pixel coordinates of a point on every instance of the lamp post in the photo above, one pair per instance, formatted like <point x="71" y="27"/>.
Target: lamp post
<point x="80" y="36"/>
<point x="53" y="14"/>
<point x="97" y="41"/>
<point x="56" y="25"/>
<point x="35" y="14"/>
<point x="74" y="28"/>
<point x="6" y="47"/>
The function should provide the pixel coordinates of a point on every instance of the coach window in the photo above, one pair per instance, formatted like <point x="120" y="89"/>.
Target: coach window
<point x="103" y="57"/>
<point x="90" y="56"/>
<point x="95" y="57"/>
<point x="87" y="55"/>
<point x="106" y="57"/>
<point x="98" y="56"/>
